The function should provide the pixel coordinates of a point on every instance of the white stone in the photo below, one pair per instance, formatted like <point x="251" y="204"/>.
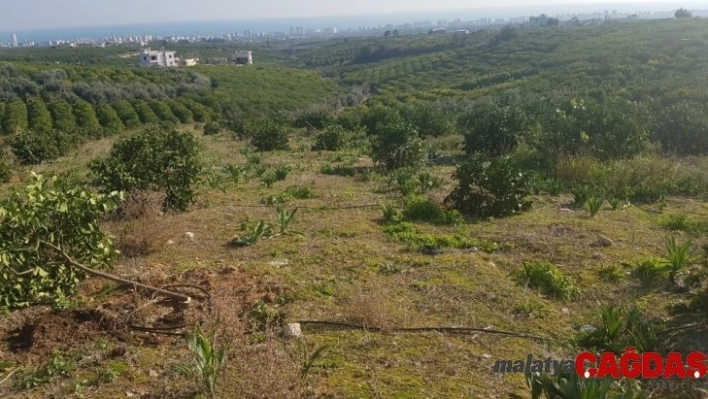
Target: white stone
<point x="292" y="330"/>
<point x="565" y="311"/>
<point x="189" y="235"/>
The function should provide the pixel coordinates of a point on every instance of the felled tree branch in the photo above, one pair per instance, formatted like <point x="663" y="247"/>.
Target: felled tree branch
<point x="119" y="280"/>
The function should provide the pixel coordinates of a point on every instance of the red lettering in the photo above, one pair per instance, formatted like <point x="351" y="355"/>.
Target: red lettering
<point x="647" y="359"/>
<point x="674" y="366"/>
<point x="608" y="366"/>
<point x="580" y="365"/>
<point x="630" y="364"/>
<point x="697" y="362"/>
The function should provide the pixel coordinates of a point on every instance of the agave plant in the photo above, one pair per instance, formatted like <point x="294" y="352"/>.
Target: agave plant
<point x="208" y="360"/>
<point x="260" y="230"/>
<point x="678" y="255"/>
<point x="284" y="219"/>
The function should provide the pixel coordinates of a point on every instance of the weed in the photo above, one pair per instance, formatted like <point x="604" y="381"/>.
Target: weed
<point x="676" y="222"/>
<point x="236" y="173"/>
<point x="391" y="214"/>
<point x="614" y="202"/>
<point x="546" y="277"/>
<point x="594" y="204"/>
<point x="611" y="273"/>
<point x="260" y="230"/>
<point x="581" y="195"/>
<point x="59" y="364"/>
<point x="428" y="182"/>
<point x="338" y="170"/>
<point x="620" y="328"/>
<point x="650" y="267"/>
<point x="678" y="255"/>
<point x="264" y="315"/>
<point x="531" y="309"/>
<point x="290" y="193"/>
<point x="282" y="171"/>
<point x="208" y="360"/>
<point x="269" y="179"/>
<point x="284" y="219"/>
<point x="309" y="362"/>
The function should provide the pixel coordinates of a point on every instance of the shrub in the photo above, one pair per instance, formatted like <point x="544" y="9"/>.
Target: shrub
<point x="270" y="136"/>
<point x="62" y="116"/>
<point x="317" y="120"/>
<point x="397" y="146"/>
<point x="85" y="115"/>
<point x="334" y="138"/>
<point x="426" y="210"/>
<point x="156" y="159"/>
<point x="5" y="171"/>
<point x="163" y="111"/>
<point x="211" y="128"/>
<point x="621" y="328"/>
<point x="489" y="188"/>
<point x="108" y="118"/>
<point x="551" y="281"/>
<point x="63" y="216"/>
<point x="145" y="113"/>
<point x="429" y="121"/>
<point x="15" y="119"/>
<point x="492" y="129"/>
<point x="180" y="111"/>
<point x="39" y="117"/>
<point x="594" y="204"/>
<point x="32" y="148"/>
<point x="127" y="114"/>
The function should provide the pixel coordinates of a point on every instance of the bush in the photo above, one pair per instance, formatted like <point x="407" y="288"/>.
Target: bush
<point x="492" y="129"/>
<point x="127" y="114"/>
<point x="62" y="215"/>
<point x="180" y="111"/>
<point x="429" y="121"/>
<point x="15" y="119"/>
<point x="85" y="115"/>
<point x="145" y="113"/>
<point x="489" y="188"/>
<point x="212" y="128"/>
<point x="316" y="120"/>
<point x="5" y="171"/>
<point x="39" y="117"/>
<point x="155" y="159"/>
<point x="62" y="116"/>
<point x="33" y="148"/>
<point x="109" y="119"/>
<point x="426" y="210"/>
<point x="396" y="146"/>
<point x="546" y="277"/>
<point x="270" y="136"/>
<point x="334" y="138"/>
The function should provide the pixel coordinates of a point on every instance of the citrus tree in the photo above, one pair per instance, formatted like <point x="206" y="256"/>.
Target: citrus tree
<point x="43" y="230"/>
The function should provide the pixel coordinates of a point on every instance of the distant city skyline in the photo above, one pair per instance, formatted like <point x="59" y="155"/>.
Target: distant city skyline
<point x="26" y="15"/>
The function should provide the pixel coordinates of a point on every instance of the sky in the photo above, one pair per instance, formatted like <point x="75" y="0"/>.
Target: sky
<point x="22" y="15"/>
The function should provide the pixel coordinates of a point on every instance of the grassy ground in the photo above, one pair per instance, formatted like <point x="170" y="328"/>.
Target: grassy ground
<point x="343" y="268"/>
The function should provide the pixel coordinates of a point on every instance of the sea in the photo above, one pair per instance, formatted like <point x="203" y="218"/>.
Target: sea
<point x="199" y="28"/>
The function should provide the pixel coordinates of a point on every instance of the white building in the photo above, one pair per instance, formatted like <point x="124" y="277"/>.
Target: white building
<point x="242" y="57"/>
<point x="160" y="58"/>
<point x="13" y="40"/>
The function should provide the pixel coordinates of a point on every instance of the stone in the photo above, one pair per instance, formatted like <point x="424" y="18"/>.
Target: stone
<point x="598" y="256"/>
<point x="700" y="393"/>
<point x="292" y="330"/>
<point x="190" y="236"/>
<point x="170" y="242"/>
<point x="565" y="311"/>
<point x="473" y="250"/>
<point x="153" y="373"/>
<point x="279" y="262"/>
<point x="587" y="329"/>
<point x="485" y="356"/>
<point x="603" y="241"/>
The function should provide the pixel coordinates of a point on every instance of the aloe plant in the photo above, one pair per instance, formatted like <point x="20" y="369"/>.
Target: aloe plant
<point x="594" y="204"/>
<point x="260" y="230"/>
<point x="678" y="255"/>
<point x="208" y="360"/>
<point x="284" y="219"/>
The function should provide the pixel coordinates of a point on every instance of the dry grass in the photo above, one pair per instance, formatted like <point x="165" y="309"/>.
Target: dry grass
<point x="370" y="307"/>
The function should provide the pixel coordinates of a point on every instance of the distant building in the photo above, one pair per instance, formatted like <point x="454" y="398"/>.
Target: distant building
<point x="190" y="62"/>
<point x="162" y="58"/>
<point x="242" y="57"/>
<point x="13" y="40"/>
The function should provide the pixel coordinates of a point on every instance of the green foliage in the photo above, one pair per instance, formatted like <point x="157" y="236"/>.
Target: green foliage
<point x="621" y="328"/>
<point x="391" y="214"/>
<point x="39" y="117"/>
<point x="85" y="115"/>
<point x="314" y="120"/>
<point x="683" y="13"/>
<point x="429" y="120"/>
<point x="127" y="114"/>
<point x="157" y="159"/>
<point x="108" y="118"/>
<point x="59" y="365"/>
<point x="211" y="128"/>
<point x="260" y="231"/>
<point x="428" y="182"/>
<point x="396" y="146"/>
<point x="67" y="217"/>
<point x="5" y="170"/>
<point x="269" y="135"/>
<point x="594" y="204"/>
<point x="180" y="111"/>
<point x="416" y="241"/>
<point x="282" y="172"/>
<point x="682" y="128"/>
<point x="678" y="255"/>
<point x="208" y="360"/>
<point x="33" y="147"/>
<point x="426" y="210"/>
<point x="547" y="278"/>
<point x="145" y="112"/>
<point x="489" y="188"/>
<point x="62" y="116"/>
<point x="571" y="386"/>
<point x="15" y="119"/>
<point x="377" y="117"/>
<point x="333" y="138"/>
<point x="264" y="315"/>
<point x="492" y="129"/>
<point x="290" y="193"/>
<point x="163" y="112"/>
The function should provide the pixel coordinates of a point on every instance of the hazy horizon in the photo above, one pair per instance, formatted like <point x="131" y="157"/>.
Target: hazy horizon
<point x="34" y="15"/>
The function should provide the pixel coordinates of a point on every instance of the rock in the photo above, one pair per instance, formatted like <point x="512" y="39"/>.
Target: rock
<point x="700" y="393"/>
<point x="292" y="330"/>
<point x="473" y="250"/>
<point x="485" y="356"/>
<point x="428" y="250"/>
<point x="153" y="373"/>
<point x="603" y="241"/>
<point x="598" y="256"/>
<point x="279" y="262"/>
<point x="170" y="242"/>
<point x="190" y="236"/>
<point x="565" y="311"/>
<point x="587" y="329"/>
<point x="492" y="264"/>
<point x="565" y="210"/>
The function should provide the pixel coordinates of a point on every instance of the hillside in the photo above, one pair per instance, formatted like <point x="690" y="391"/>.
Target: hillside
<point x="431" y="207"/>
